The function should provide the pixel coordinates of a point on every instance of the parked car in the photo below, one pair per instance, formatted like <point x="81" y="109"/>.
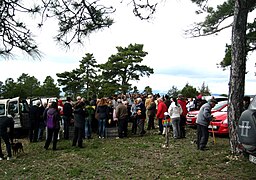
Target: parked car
<point x="18" y="108"/>
<point x="192" y="115"/>
<point x="219" y="125"/>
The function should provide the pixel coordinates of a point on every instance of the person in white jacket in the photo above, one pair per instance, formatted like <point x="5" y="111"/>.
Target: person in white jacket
<point x="175" y="111"/>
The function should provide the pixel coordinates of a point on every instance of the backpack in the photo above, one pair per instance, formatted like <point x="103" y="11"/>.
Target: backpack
<point x="51" y="121"/>
<point x="247" y="130"/>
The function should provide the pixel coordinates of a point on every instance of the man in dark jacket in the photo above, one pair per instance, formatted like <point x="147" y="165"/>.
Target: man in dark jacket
<point x="203" y="120"/>
<point x="34" y="117"/>
<point x="141" y="116"/>
<point x="67" y="116"/>
<point x="79" y="116"/>
<point x="5" y="126"/>
<point x="41" y="122"/>
<point x="122" y="114"/>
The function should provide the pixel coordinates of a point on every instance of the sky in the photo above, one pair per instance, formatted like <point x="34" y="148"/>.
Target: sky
<point x="175" y="58"/>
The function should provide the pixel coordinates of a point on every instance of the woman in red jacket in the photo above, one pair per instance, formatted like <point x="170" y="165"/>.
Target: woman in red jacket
<point x="183" y="119"/>
<point x="162" y="108"/>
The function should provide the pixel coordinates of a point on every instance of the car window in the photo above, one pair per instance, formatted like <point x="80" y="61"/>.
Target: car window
<point x="24" y="106"/>
<point x="13" y="107"/>
<point x="2" y="109"/>
<point x="253" y="104"/>
<point x="219" y="105"/>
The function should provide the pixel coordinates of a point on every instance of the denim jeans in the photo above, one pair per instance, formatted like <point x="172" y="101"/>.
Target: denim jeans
<point x="102" y="126"/>
<point x="202" y="136"/>
<point x="176" y="127"/>
<point x="41" y="131"/>
<point x="88" y="127"/>
<point x="160" y="125"/>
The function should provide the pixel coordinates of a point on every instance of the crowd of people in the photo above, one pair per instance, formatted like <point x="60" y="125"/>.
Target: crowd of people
<point x="48" y="120"/>
<point x="88" y="116"/>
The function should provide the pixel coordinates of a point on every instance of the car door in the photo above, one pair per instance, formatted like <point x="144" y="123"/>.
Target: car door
<point x="19" y="109"/>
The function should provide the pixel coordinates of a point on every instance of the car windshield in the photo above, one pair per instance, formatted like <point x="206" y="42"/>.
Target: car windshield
<point x="219" y="105"/>
<point x="225" y="109"/>
<point x="253" y="104"/>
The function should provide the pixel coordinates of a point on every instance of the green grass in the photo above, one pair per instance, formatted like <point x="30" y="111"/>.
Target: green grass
<point x="131" y="158"/>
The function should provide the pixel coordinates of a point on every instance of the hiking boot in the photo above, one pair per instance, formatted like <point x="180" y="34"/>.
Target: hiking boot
<point x="1" y="158"/>
<point x="9" y="158"/>
<point x="203" y="148"/>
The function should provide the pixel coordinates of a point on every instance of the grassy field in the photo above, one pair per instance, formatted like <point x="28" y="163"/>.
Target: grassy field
<point x="130" y="158"/>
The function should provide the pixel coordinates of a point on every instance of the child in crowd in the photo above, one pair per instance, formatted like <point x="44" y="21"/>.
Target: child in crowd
<point x="166" y="131"/>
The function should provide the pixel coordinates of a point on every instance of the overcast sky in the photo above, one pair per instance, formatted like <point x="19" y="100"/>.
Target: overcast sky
<point x="176" y="59"/>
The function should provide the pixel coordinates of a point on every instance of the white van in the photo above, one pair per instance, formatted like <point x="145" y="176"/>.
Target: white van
<point x="18" y="108"/>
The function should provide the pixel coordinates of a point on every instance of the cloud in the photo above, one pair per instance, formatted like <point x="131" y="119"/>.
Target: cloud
<point x="176" y="59"/>
<point x="191" y="72"/>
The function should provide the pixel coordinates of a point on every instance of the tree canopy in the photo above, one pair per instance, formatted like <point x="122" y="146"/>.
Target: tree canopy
<point x="76" y="21"/>
<point x="28" y="86"/>
<point x="125" y="66"/>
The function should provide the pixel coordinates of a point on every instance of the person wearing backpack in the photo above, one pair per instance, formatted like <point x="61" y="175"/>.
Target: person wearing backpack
<point x="53" y="125"/>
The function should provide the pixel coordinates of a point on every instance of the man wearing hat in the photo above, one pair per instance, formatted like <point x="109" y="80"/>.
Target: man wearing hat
<point x="203" y="120"/>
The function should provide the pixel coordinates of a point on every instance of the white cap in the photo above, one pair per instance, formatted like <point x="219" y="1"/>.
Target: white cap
<point x="166" y="114"/>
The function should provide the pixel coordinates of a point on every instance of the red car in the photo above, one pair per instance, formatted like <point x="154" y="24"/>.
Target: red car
<point x="220" y="123"/>
<point x="192" y="115"/>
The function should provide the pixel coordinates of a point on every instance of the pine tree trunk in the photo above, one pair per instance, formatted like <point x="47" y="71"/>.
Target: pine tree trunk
<point x="237" y="71"/>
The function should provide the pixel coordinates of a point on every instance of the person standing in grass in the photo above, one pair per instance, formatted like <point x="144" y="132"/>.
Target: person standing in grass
<point x="133" y="116"/>
<point x="183" y="119"/>
<point x="5" y="126"/>
<point x="147" y="103"/>
<point x="151" y="113"/>
<point x="141" y="116"/>
<point x="122" y="114"/>
<point x="41" y="122"/>
<point x="67" y="116"/>
<point x="103" y="111"/>
<point x="53" y="125"/>
<point x="88" y="120"/>
<point x="34" y="119"/>
<point x="175" y="111"/>
<point x="203" y="120"/>
<point x="79" y="116"/>
<point x="161" y="109"/>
